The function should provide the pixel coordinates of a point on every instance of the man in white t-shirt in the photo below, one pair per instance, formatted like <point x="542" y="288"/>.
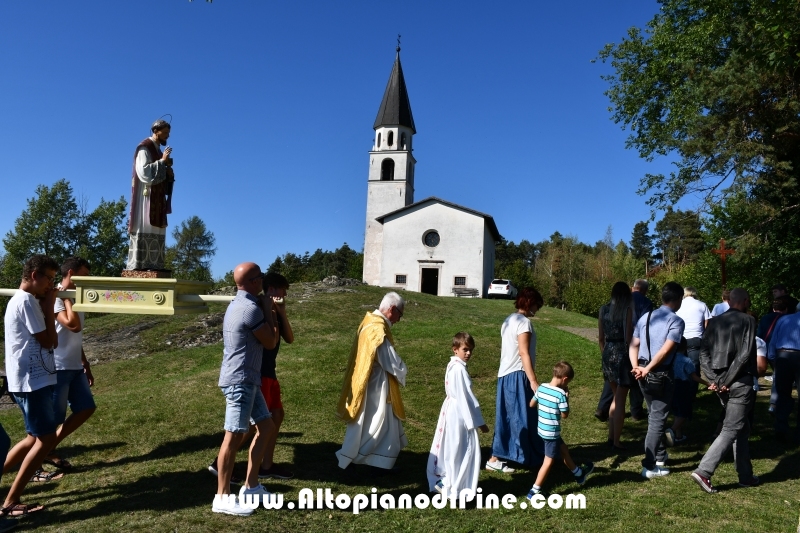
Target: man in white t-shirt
<point x="30" y="369"/>
<point x="74" y="375"/>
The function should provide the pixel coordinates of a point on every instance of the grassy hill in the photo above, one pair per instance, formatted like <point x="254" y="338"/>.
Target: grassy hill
<point x="141" y="460"/>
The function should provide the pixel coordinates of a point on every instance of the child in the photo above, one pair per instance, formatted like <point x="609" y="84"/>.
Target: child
<point x="687" y="377"/>
<point x="553" y="399"/>
<point x="455" y="458"/>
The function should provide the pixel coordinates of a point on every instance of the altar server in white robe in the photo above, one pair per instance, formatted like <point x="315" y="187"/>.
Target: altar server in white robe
<point x="370" y="402"/>
<point x="454" y="461"/>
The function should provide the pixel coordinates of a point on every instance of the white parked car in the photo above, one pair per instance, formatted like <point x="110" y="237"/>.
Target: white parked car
<point x="501" y="288"/>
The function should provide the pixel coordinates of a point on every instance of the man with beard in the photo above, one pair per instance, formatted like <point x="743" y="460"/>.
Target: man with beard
<point x="150" y="192"/>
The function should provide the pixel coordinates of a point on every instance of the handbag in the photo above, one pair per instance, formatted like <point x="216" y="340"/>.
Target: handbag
<point x="654" y="382"/>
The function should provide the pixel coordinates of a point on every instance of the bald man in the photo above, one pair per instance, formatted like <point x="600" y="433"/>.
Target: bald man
<point x="249" y="326"/>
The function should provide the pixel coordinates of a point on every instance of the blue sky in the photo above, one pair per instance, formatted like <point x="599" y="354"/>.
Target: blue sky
<point x="273" y="105"/>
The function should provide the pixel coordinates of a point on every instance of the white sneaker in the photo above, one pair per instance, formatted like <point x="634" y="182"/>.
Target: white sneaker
<point x="254" y="496"/>
<point x="669" y="436"/>
<point x="664" y="462"/>
<point x="498" y="466"/>
<point x="658" y="471"/>
<point x="227" y="504"/>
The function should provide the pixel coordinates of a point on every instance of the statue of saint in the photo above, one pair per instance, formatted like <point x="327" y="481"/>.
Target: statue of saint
<point x="151" y="200"/>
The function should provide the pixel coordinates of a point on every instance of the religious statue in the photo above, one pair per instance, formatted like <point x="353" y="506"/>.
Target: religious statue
<point x="151" y="200"/>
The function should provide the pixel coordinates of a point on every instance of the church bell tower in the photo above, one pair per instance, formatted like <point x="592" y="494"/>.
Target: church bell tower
<point x="391" y="167"/>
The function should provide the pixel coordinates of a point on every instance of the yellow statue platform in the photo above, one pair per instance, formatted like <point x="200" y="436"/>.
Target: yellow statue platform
<point x="142" y="296"/>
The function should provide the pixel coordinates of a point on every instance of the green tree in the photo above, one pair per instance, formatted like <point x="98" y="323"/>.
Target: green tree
<point x="642" y="242"/>
<point x="102" y="238"/>
<point x="715" y="85"/>
<point x="190" y="257"/>
<point x="679" y="236"/>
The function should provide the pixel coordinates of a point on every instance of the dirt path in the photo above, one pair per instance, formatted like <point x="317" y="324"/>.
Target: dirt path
<point x="586" y="333"/>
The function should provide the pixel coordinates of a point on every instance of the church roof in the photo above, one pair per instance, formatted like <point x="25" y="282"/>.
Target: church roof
<point x="487" y="218"/>
<point x="395" y="107"/>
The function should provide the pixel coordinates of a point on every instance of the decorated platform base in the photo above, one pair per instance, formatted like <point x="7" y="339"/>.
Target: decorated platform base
<point x="145" y="296"/>
<point x="160" y="274"/>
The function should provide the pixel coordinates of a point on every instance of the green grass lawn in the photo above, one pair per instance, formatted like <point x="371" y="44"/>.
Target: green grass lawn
<point x="141" y="460"/>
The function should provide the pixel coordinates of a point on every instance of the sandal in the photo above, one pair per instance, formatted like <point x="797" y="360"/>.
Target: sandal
<point x="20" y="509"/>
<point x="42" y="476"/>
<point x="58" y="462"/>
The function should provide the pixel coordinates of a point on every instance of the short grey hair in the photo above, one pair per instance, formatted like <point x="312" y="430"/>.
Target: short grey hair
<point x="689" y="291"/>
<point x="641" y="284"/>
<point x="392" y="299"/>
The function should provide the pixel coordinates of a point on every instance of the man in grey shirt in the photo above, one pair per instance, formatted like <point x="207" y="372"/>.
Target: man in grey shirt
<point x="655" y="340"/>
<point x="249" y="325"/>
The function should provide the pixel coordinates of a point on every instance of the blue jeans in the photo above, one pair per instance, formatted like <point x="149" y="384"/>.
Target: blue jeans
<point x="738" y="403"/>
<point x="72" y="387"/>
<point x="787" y="371"/>
<point x="37" y="410"/>
<point x="244" y="404"/>
<point x="657" y="412"/>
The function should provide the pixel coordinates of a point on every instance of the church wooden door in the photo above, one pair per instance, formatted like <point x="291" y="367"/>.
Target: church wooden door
<point x="430" y="281"/>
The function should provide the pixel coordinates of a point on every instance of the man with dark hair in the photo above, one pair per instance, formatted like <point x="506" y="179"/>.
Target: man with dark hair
<point x="728" y="359"/>
<point x="30" y="337"/>
<point x="641" y="305"/>
<point x="275" y="287"/>
<point x="779" y="289"/>
<point x="74" y="375"/>
<point x="655" y="339"/>
<point x="150" y="191"/>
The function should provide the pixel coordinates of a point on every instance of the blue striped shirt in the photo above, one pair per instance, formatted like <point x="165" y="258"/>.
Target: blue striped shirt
<point x="552" y="402"/>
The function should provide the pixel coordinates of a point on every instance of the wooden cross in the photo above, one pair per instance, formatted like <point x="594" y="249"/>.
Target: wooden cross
<point x="723" y="254"/>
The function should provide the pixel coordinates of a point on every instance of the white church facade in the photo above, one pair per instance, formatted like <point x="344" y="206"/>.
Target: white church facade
<point x="431" y="246"/>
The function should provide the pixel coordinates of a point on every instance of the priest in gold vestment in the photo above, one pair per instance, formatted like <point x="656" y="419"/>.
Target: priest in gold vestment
<point x="370" y="402"/>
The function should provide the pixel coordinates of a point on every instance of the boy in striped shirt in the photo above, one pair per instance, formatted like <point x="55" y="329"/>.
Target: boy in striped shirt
<point x="553" y="399"/>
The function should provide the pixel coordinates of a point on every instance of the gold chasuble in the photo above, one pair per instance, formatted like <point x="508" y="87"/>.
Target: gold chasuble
<point x="371" y="333"/>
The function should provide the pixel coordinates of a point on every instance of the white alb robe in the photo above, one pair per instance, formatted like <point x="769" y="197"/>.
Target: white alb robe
<point x="455" y="456"/>
<point x="377" y="436"/>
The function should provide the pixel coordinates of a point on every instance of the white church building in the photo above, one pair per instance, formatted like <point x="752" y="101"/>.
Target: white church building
<point x="431" y="246"/>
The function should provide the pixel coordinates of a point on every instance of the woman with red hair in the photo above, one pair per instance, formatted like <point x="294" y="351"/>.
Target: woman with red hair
<point x="515" y="436"/>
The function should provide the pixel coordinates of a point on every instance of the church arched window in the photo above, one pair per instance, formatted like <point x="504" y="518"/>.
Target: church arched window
<point x="403" y="141"/>
<point x="390" y="139"/>
<point x="387" y="169"/>
<point x="379" y="140"/>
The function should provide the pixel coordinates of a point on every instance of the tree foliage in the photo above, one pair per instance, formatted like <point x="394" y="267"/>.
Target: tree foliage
<point x="190" y="257"/>
<point x="679" y="236"/>
<point x="343" y="262"/>
<point x="715" y="84"/>
<point x="54" y="224"/>
<point x="642" y="242"/>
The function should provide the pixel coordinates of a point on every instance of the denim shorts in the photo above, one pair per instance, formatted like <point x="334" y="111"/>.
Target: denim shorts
<point x="244" y="404"/>
<point x="552" y="447"/>
<point x="73" y="388"/>
<point x="37" y="410"/>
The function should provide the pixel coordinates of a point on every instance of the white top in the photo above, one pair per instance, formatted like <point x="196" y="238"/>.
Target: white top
<point x="68" y="352"/>
<point x="761" y="347"/>
<point x="694" y="314"/>
<point x="720" y="308"/>
<point x="513" y="327"/>
<point x="29" y="367"/>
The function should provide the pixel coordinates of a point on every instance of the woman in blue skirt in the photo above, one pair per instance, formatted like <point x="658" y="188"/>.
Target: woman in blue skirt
<point x="515" y="435"/>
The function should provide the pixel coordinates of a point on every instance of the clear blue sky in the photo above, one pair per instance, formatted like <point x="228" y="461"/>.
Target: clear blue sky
<point x="273" y="105"/>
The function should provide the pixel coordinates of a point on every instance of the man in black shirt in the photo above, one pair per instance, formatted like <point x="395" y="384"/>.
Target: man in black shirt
<point x="275" y="287"/>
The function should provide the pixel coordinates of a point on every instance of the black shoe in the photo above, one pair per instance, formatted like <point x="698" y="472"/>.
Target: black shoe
<point x="601" y="416"/>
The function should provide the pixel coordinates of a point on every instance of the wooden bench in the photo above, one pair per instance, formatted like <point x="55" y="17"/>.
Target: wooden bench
<point x="463" y="291"/>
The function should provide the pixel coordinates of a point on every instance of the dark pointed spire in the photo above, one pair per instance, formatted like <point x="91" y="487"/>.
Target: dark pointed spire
<point x="395" y="107"/>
